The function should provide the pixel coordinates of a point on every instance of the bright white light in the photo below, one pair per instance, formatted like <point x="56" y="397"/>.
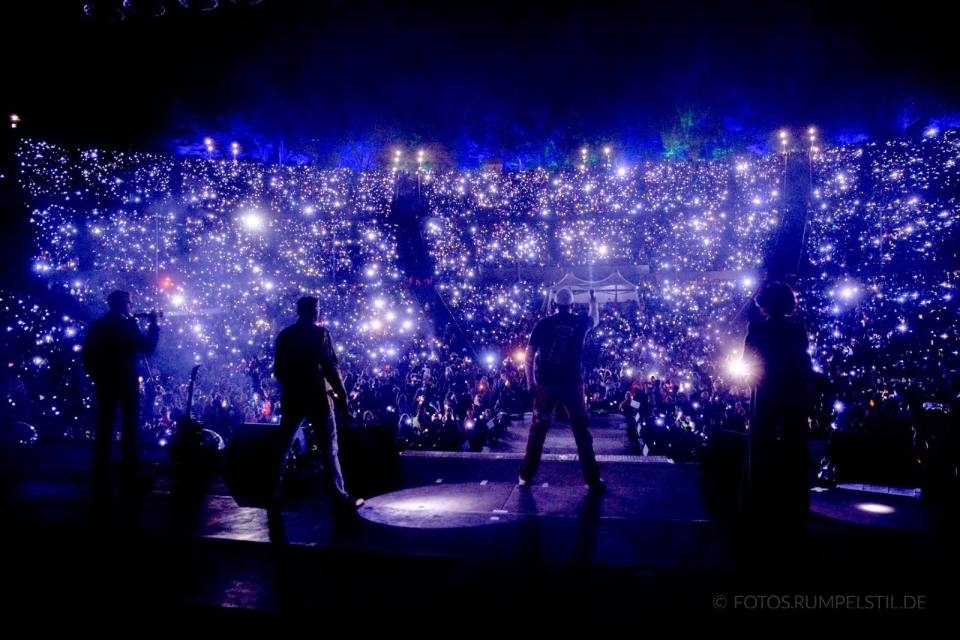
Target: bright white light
<point x="875" y="507"/>
<point x="252" y="221"/>
<point x="738" y="367"/>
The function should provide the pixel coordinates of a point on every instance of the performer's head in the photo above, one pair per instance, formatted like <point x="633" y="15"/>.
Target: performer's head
<point x="777" y="299"/>
<point x="308" y="307"/>
<point x="119" y="301"/>
<point x="563" y="298"/>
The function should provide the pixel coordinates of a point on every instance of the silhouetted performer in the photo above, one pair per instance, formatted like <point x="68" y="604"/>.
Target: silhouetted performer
<point x="630" y="410"/>
<point x="553" y="365"/>
<point x="776" y="349"/>
<point x="305" y="363"/>
<point x="113" y="353"/>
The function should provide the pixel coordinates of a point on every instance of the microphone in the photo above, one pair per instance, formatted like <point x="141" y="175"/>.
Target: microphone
<point x="158" y="314"/>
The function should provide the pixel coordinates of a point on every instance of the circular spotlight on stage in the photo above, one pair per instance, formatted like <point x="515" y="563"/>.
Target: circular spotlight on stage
<point x="872" y="507"/>
<point x="875" y="508"/>
<point x="446" y="506"/>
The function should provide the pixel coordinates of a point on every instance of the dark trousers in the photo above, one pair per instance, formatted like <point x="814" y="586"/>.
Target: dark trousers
<point x="778" y="483"/>
<point x="546" y="400"/>
<point x="114" y="398"/>
<point x="315" y="415"/>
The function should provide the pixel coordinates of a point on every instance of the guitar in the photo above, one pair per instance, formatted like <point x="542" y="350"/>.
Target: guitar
<point x="189" y="447"/>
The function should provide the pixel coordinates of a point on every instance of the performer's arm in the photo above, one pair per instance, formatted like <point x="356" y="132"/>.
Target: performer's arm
<point x="153" y="334"/>
<point x="331" y="371"/>
<point x="528" y="366"/>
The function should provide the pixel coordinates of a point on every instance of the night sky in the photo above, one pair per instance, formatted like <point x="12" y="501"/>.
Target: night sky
<point x="495" y="74"/>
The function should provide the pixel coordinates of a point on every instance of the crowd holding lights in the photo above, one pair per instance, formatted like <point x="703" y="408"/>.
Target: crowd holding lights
<point x="226" y="247"/>
<point x="675" y="217"/>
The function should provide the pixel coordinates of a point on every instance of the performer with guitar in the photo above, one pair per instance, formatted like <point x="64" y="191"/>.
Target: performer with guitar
<point x="305" y="364"/>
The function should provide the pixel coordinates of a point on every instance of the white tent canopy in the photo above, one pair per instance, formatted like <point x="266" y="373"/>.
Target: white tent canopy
<point x="612" y="288"/>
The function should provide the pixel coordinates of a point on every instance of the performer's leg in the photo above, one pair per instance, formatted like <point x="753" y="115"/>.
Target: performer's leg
<point x="580" y="425"/>
<point x="543" y="406"/>
<point x="130" y="438"/>
<point x="103" y="438"/>
<point x="278" y="449"/>
<point x="325" y="434"/>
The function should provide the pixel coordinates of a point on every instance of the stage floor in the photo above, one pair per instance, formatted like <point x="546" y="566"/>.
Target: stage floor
<point x="451" y="530"/>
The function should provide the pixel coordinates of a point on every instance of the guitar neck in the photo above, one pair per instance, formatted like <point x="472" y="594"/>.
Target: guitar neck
<point x="193" y="380"/>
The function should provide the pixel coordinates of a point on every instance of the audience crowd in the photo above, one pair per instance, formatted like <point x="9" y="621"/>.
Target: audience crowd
<point x="430" y="283"/>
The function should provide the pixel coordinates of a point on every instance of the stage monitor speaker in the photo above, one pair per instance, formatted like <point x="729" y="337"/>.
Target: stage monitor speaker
<point x="370" y="458"/>
<point x="723" y="464"/>
<point x="251" y="463"/>
<point x="882" y="458"/>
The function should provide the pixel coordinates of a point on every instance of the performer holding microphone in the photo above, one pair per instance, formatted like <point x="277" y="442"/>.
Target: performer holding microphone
<point x="113" y="353"/>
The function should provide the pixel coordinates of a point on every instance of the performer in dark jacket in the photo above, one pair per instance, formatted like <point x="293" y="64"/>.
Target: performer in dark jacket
<point x="306" y="367"/>
<point x="113" y="355"/>
<point x="776" y="350"/>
